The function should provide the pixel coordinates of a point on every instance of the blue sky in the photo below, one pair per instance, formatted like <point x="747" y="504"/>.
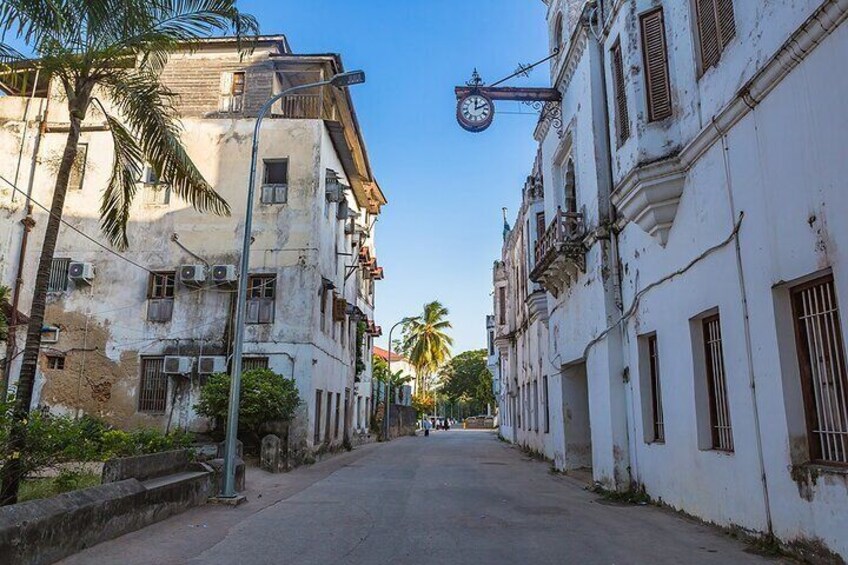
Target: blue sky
<point x="441" y="230"/>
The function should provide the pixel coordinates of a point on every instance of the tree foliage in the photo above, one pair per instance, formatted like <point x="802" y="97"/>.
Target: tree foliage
<point x="265" y="397"/>
<point x="423" y="403"/>
<point x="467" y="378"/>
<point x="425" y="339"/>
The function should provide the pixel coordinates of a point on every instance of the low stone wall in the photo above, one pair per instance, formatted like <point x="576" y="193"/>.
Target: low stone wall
<point x="403" y="421"/>
<point x="143" y="467"/>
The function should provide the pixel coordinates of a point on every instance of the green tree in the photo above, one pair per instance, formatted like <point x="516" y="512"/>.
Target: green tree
<point x="426" y="342"/>
<point x="4" y="299"/>
<point x="380" y="372"/>
<point x="265" y="397"/>
<point x="467" y="379"/>
<point x="106" y="53"/>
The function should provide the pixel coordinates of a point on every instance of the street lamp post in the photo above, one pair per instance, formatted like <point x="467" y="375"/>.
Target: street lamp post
<point x="229" y="488"/>
<point x="389" y="379"/>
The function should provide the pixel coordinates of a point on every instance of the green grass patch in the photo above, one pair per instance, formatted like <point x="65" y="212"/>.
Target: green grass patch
<point x="66" y="481"/>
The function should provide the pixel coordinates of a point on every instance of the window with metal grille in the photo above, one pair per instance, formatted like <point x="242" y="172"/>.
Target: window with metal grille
<point x="536" y="405"/>
<point x="316" y="437"/>
<point x="540" y="224"/>
<point x="655" y="58"/>
<point x="250" y="363"/>
<point x="716" y="27"/>
<point x="58" y="281"/>
<point x="261" y="291"/>
<point x="77" y="176"/>
<point x="719" y="408"/>
<point x="570" y="188"/>
<point x="275" y="181"/>
<point x="160" y="296"/>
<point x="153" y="388"/>
<point x="546" y="392"/>
<point x="56" y="362"/>
<point x="821" y="357"/>
<point x="328" y="416"/>
<point x="656" y="390"/>
<point x="622" y="120"/>
<point x="338" y="414"/>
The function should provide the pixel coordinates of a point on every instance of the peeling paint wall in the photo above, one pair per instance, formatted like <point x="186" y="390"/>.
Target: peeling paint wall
<point x="104" y="330"/>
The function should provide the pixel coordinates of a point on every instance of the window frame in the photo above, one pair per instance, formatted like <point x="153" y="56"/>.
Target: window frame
<point x="274" y="192"/>
<point x="55" y="362"/>
<point x="717" y="393"/>
<point x="261" y="293"/>
<point x="695" y="17"/>
<point x="654" y="115"/>
<point x="79" y="168"/>
<point x="59" y="268"/>
<point x="654" y="383"/>
<point x="621" y="115"/>
<point x="159" y="401"/>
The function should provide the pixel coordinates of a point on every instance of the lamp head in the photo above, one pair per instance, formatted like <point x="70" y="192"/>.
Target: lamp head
<point x="349" y="78"/>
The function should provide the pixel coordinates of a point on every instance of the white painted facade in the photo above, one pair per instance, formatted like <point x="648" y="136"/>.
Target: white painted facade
<point x="723" y="207"/>
<point x="303" y="240"/>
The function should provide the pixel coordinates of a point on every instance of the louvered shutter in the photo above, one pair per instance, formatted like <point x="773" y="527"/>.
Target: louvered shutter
<point x="225" y="92"/>
<point x="655" y="57"/>
<point x="716" y="28"/>
<point x="622" y="120"/>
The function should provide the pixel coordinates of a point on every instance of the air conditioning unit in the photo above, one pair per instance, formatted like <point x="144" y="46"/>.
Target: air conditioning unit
<point x="224" y="274"/>
<point x="193" y="275"/>
<point x="211" y="364"/>
<point x="178" y="365"/>
<point x="80" y="272"/>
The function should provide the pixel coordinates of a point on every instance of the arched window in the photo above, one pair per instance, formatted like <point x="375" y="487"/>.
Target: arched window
<point x="558" y="31"/>
<point x="570" y="188"/>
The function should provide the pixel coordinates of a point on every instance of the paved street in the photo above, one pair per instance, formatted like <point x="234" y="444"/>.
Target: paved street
<point x="455" y="497"/>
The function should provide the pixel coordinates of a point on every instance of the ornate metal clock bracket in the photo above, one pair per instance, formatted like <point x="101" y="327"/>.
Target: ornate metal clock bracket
<point x="550" y="114"/>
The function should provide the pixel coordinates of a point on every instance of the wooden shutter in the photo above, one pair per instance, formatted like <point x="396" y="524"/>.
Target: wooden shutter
<point x="655" y="57"/>
<point x="622" y="121"/>
<point x="716" y="27"/>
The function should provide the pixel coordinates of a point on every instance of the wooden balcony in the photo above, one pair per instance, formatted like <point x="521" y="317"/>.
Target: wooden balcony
<point x="301" y="107"/>
<point x="560" y="255"/>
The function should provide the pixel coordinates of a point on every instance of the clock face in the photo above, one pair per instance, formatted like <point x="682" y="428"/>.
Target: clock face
<point x="475" y="112"/>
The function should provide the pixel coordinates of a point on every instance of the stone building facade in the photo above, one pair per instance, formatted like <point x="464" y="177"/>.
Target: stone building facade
<point x="131" y="338"/>
<point x="693" y="273"/>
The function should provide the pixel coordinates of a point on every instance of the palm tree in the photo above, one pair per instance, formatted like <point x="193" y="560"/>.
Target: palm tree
<point x="426" y="342"/>
<point x="99" y="51"/>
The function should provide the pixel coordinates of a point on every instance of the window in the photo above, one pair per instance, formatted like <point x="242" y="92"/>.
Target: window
<point x="329" y="415"/>
<point x="77" y="175"/>
<point x="536" y="405"/>
<point x="250" y="363"/>
<point x="261" y="290"/>
<point x="232" y="92"/>
<point x="491" y="343"/>
<point x="546" y="392"/>
<point x="160" y="296"/>
<point x="559" y="32"/>
<point x="622" y="120"/>
<point x="570" y="188"/>
<point x="154" y="385"/>
<point x="338" y="413"/>
<point x="658" y="425"/>
<point x="716" y="28"/>
<point x="655" y="58"/>
<point x="540" y="224"/>
<point x="316" y="437"/>
<point x="821" y="357"/>
<point x="501" y="305"/>
<point x="324" y="294"/>
<point x="56" y="362"/>
<point x="719" y="409"/>
<point x="58" y="281"/>
<point x="155" y="193"/>
<point x="275" y="181"/>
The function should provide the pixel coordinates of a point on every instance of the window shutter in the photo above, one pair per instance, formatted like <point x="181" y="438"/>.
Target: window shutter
<point x="655" y="56"/>
<point x="716" y="27"/>
<point x="622" y="121"/>
<point x="266" y="311"/>
<point x="281" y="192"/>
<point x="726" y="21"/>
<point x="252" y="312"/>
<point x="268" y="194"/>
<point x="225" y="92"/>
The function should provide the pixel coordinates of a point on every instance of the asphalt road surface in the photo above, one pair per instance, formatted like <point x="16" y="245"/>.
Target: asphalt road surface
<point x="459" y="496"/>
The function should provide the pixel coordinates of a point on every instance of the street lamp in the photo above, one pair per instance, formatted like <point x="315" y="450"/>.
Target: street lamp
<point x="389" y="378"/>
<point x="340" y="80"/>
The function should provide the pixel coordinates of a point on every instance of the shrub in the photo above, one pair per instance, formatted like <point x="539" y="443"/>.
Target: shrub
<point x="265" y="397"/>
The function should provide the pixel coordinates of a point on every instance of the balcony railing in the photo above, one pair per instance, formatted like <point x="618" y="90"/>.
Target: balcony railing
<point x="300" y="106"/>
<point x="559" y="252"/>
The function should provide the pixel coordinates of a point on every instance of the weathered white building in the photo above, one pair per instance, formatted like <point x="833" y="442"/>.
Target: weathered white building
<point x="133" y="336"/>
<point x="693" y="270"/>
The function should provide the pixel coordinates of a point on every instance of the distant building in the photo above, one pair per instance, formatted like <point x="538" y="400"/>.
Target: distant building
<point x="691" y="265"/>
<point x="399" y="363"/>
<point x="132" y="344"/>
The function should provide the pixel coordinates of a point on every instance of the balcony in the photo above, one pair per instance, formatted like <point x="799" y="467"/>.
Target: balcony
<point x="560" y="253"/>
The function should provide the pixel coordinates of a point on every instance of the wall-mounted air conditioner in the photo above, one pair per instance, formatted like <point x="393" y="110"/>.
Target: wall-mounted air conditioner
<point x="211" y="364"/>
<point x="193" y="275"/>
<point x="178" y="365"/>
<point x="224" y="274"/>
<point x="81" y="272"/>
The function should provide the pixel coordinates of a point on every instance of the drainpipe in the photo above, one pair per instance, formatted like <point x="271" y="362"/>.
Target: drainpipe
<point x="28" y="223"/>
<point x="725" y="149"/>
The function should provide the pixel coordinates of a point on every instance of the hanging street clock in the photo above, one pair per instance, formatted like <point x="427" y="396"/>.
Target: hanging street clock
<point x="475" y="111"/>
